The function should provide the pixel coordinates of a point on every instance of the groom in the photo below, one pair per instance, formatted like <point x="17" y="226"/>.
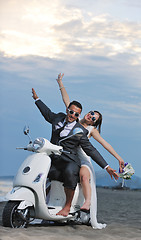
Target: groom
<point x="65" y="168"/>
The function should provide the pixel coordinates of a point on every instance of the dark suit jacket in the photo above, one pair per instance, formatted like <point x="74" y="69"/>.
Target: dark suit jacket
<point x="73" y="142"/>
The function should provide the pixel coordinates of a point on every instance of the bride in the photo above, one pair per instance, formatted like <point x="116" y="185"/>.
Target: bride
<point x="92" y="121"/>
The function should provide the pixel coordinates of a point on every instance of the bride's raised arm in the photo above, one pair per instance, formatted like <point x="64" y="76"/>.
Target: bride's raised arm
<point x="65" y="96"/>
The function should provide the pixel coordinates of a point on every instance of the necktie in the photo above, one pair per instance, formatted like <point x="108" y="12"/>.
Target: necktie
<point x="60" y="129"/>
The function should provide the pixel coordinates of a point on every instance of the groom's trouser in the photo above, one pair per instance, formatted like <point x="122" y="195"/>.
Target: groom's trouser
<point x="64" y="171"/>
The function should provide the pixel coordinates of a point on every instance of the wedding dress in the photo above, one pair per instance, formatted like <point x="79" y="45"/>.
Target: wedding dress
<point x="86" y="161"/>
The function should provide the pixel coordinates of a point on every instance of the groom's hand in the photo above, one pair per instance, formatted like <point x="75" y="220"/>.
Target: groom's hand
<point x="34" y="94"/>
<point x="112" y="173"/>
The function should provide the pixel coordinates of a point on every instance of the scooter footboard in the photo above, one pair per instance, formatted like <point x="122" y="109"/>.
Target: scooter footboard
<point x="22" y="194"/>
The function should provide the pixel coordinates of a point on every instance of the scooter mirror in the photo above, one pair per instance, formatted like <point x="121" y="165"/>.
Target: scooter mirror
<point x="26" y="130"/>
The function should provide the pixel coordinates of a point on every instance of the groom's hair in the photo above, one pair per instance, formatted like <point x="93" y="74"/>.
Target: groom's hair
<point x="77" y="104"/>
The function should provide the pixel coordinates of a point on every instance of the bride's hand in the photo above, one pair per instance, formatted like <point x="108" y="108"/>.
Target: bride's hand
<point x="60" y="76"/>
<point x="121" y="165"/>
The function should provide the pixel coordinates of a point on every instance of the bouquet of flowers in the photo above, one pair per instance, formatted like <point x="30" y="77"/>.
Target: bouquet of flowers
<point x="127" y="172"/>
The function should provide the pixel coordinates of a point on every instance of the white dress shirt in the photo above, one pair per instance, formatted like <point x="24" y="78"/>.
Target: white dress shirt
<point x="66" y="129"/>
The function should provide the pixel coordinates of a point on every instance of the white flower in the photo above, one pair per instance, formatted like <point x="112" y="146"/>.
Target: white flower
<point x="128" y="171"/>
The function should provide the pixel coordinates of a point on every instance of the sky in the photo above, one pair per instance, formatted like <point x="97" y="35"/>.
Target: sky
<point x="97" y="45"/>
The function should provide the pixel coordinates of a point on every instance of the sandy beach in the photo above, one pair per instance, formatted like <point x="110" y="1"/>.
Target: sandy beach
<point x="121" y="211"/>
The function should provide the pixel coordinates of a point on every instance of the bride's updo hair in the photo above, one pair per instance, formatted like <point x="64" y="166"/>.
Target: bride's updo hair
<point x="98" y="122"/>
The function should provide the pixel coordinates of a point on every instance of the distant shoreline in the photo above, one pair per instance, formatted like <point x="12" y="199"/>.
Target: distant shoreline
<point x="6" y="177"/>
<point x="107" y="186"/>
<point x="117" y="188"/>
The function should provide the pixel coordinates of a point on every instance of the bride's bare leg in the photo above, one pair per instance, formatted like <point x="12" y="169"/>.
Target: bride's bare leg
<point x="85" y="182"/>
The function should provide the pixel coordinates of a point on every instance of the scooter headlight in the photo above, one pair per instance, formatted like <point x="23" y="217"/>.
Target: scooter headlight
<point x="38" y="143"/>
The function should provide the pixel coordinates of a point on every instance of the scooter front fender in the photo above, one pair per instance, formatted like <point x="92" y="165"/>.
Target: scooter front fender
<point x="22" y="194"/>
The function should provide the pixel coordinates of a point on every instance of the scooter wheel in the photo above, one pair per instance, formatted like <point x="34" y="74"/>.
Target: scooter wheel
<point x="10" y="216"/>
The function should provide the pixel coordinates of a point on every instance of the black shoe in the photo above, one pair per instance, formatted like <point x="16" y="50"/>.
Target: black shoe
<point x="85" y="210"/>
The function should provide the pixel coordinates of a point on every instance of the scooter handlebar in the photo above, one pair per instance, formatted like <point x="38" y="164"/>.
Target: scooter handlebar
<point x="43" y="145"/>
<point x="29" y="148"/>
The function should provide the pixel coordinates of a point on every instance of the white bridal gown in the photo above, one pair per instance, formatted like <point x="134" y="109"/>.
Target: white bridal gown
<point x="86" y="161"/>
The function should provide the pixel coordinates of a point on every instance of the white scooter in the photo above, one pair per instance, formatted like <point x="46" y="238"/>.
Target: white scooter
<point x="29" y="200"/>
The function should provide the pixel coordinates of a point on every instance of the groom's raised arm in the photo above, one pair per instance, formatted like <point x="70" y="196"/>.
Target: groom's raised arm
<point x="45" y="111"/>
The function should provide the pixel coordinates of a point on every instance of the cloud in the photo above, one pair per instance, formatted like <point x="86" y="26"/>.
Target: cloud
<point x="38" y="37"/>
<point x="127" y="108"/>
<point x="47" y="29"/>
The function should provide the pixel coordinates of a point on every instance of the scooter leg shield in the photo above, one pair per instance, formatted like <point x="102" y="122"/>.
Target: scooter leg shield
<point x="22" y="194"/>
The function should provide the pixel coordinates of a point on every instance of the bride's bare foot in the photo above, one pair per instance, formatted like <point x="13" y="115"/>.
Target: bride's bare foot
<point x="64" y="212"/>
<point x="85" y="206"/>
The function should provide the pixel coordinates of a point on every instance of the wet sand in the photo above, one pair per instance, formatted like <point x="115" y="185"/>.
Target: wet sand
<point x="121" y="210"/>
